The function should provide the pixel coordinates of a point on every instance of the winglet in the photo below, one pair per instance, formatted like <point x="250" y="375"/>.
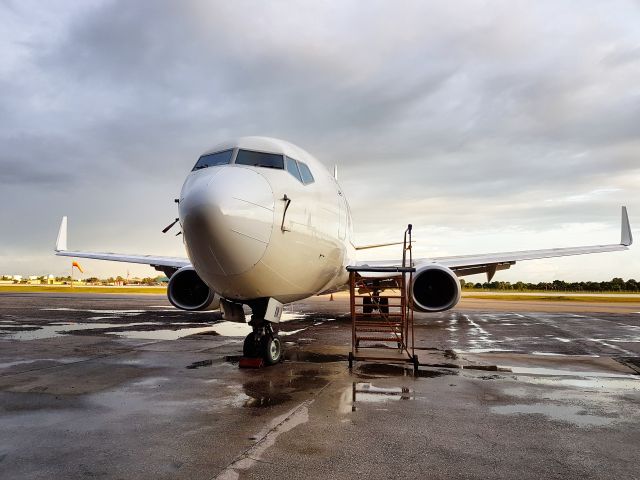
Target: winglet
<point x="61" y="242"/>
<point x="626" y="237"/>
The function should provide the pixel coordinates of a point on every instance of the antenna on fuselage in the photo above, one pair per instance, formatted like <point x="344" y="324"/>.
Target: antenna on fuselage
<point x="335" y="171"/>
<point x="168" y="227"/>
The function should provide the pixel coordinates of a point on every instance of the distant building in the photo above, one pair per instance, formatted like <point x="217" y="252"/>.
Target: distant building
<point x="31" y="279"/>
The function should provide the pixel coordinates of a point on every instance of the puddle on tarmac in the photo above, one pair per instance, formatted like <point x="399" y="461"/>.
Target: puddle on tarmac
<point x="567" y="413"/>
<point x="266" y="393"/>
<point x="18" y="328"/>
<point x="292" y="332"/>
<point x="299" y="356"/>
<point x="230" y="329"/>
<point x="554" y="354"/>
<point x="313" y="357"/>
<point x="632" y="362"/>
<point x="366" y="392"/>
<point x="151" y="382"/>
<point x="42" y="360"/>
<point x="290" y="316"/>
<point x="97" y="311"/>
<point x="382" y="370"/>
<point x="601" y="382"/>
<point x="565" y="373"/>
<point x="59" y="329"/>
<point x="485" y="350"/>
<point x="161" y="334"/>
<point x="262" y="398"/>
<point x="138" y="330"/>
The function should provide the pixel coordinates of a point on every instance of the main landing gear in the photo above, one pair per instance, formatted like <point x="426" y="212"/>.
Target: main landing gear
<point x="375" y="302"/>
<point x="263" y="343"/>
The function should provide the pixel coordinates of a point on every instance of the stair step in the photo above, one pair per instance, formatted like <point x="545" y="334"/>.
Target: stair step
<point x="379" y="324"/>
<point x="378" y="339"/>
<point x="373" y="330"/>
<point x="382" y="296"/>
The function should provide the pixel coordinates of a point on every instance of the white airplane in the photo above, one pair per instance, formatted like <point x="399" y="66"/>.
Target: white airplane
<point x="264" y="223"/>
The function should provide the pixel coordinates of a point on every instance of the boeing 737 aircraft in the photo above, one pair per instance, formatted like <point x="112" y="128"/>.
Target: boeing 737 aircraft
<point x="264" y="223"/>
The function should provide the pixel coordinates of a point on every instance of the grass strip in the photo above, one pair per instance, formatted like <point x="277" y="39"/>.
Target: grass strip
<point x="556" y="298"/>
<point x="80" y="289"/>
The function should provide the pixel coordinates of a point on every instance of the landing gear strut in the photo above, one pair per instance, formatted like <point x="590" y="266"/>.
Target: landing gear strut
<point x="375" y="302"/>
<point x="263" y="343"/>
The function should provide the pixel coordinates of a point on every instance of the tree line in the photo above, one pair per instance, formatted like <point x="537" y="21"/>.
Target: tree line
<point x="614" y="285"/>
<point x="90" y="280"/>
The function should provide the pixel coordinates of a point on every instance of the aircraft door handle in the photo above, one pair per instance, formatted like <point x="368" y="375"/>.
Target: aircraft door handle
<point x="287" y="202"/>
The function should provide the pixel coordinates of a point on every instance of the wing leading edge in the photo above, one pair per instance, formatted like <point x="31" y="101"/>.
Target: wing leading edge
<point x="489" y="263"/>
<point x="165" y="264"/>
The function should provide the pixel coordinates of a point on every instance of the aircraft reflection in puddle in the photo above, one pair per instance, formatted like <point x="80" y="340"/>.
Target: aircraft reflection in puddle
<point x="368" y="393"/>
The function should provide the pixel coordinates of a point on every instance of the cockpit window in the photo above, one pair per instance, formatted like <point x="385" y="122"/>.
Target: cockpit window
<point x="292" y="168"/>
<point x="307" y="177"/>
<point x="213" y="159"/>
<point x="260" y="159"/>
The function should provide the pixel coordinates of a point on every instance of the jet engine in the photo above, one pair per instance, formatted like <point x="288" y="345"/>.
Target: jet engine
<point x="187" y="291"/>
<point x="435" y="288"/>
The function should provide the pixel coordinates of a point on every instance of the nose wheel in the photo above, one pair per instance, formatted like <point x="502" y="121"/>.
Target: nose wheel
<point x="263" y="343"/>
<point x="272" y="349"/>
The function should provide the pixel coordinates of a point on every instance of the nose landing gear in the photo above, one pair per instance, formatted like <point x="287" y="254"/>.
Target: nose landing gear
<point x="263" y="342"/>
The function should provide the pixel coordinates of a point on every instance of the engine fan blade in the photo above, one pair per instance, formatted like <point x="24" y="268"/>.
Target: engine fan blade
<point x="168" y="227"/>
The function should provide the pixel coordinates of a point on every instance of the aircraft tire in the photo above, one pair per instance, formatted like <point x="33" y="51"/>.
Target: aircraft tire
<point x="249" y="348"/>
<point x="384" y="305"/>
<point x="272" y="349"/>
<point x="367" y="305"/>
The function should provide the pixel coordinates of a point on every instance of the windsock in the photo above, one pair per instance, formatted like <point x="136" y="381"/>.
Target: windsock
<point x="77" y="265"/>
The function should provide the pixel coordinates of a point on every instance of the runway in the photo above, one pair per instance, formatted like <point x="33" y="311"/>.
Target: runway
<point x="119" y="386"/>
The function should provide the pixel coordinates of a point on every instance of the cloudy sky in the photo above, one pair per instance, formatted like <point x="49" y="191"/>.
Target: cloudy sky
<point x="488" y="125"/>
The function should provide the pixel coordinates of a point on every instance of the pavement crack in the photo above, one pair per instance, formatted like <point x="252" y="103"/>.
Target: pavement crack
<point x="267" y="438"/>
<point x="288" y="421"/>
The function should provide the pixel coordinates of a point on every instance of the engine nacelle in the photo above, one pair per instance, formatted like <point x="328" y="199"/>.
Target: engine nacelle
<point x="435" y="288"/>
<point x="187" y="291"/>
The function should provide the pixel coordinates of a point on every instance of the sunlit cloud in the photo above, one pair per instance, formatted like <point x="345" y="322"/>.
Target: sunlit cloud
<point x="502" y="128"/>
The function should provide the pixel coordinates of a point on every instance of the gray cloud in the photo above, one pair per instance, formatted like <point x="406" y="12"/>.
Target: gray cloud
<point x="525" y="114"/>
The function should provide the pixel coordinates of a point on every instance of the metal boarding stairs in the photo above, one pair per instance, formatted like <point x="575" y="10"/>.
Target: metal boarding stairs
<point x="381" y="314"/>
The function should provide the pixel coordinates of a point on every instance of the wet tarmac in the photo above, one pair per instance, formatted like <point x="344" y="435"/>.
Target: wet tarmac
<point x="115" y="386"/>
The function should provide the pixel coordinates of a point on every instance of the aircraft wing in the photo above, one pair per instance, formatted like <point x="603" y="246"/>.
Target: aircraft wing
<point x="489" y="263"/>
<point x="160" y="263"/>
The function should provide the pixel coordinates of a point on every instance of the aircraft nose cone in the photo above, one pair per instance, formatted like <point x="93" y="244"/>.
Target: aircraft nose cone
<point x="227" y="218"/>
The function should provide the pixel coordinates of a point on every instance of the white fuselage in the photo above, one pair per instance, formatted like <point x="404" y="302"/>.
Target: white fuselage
<point x="244" y="245"/>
